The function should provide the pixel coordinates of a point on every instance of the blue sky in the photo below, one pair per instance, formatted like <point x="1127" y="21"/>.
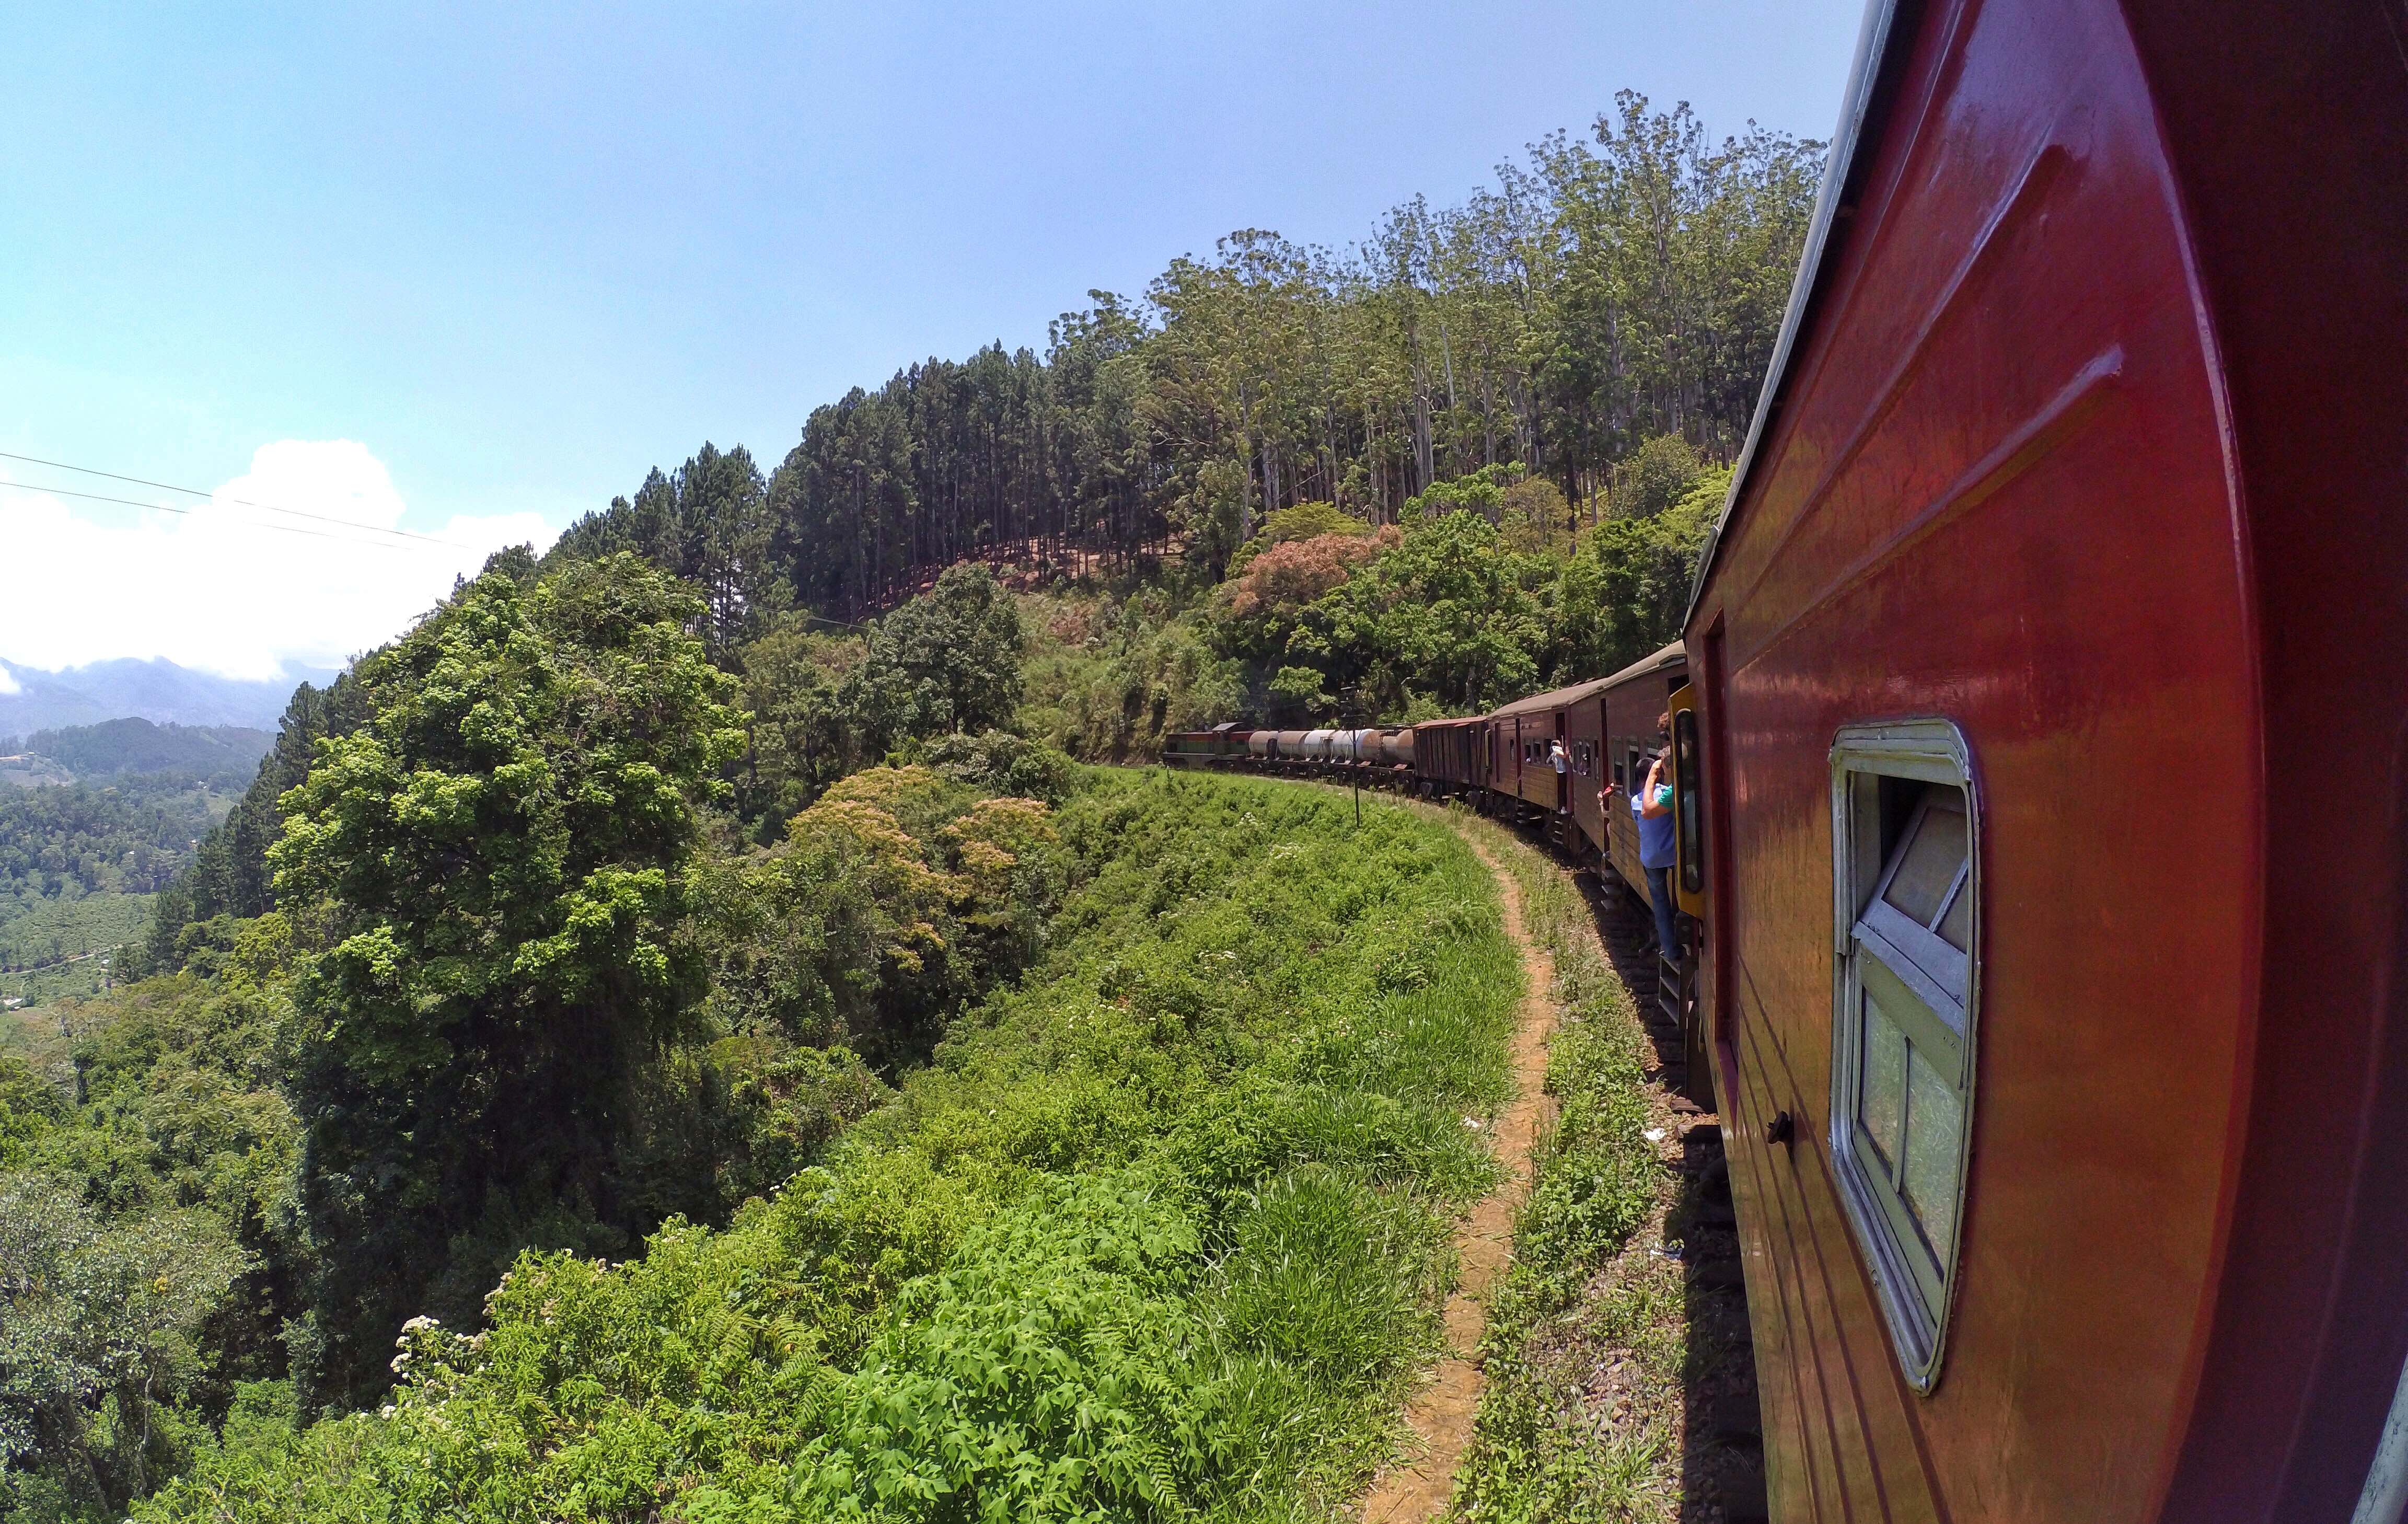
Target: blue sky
<point x="518" y="256"/>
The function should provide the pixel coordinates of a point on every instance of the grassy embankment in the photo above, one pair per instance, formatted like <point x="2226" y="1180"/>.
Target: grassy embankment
<point x="1161" y="1234"/>
<point x="1592" y="1342"/>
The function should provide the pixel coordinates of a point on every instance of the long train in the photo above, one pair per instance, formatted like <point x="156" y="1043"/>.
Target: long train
<point x="2042" y="778"/>
<point x="1503" y="764"/>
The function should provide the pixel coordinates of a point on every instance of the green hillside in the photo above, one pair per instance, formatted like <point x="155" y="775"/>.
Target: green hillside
<point x="687" y="990"/>
<point x="225" y="755"/>
<point x="1157" y="1232"/>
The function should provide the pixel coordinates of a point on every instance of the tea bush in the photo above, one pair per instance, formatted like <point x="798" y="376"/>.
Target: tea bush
<point x="1159" y="1232"/>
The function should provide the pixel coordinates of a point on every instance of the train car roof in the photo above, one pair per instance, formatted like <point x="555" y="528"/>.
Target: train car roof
<point x="1872" y="80"/>
<point x="1551" y="698"/>
<point x="1649" y="666"/>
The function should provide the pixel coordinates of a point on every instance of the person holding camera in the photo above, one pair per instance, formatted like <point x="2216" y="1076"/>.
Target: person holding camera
<point x="1652" y="803"/>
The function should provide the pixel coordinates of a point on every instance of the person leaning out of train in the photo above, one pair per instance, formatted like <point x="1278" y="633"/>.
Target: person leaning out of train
<point x="1562" y="762"/>
<point x="1652" y="802"/>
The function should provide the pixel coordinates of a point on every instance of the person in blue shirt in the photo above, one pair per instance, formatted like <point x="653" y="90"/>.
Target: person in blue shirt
<point x="1652" y="802"/>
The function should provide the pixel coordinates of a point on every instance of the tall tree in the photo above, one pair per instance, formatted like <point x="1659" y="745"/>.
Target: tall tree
<point x="947" y="663"/>
<point x="1609" y="289"/>
<point x="490" y="878"/>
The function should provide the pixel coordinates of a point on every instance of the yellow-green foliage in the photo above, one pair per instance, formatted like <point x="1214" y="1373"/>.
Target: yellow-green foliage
<point x="1159" y="1233"/>
<point x="897" y="897"/>
<point x="1107" y="679"/>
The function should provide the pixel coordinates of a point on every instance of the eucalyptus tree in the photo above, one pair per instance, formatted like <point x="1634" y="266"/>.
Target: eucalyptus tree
<point x="1610" y="288"/>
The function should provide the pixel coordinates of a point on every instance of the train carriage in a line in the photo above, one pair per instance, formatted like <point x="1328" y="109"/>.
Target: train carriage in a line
<point x="1630" y="703"/>
<point x="1520" y="735"/>
<point x="1450" y="756"/>
<point x="2046" y="807"/>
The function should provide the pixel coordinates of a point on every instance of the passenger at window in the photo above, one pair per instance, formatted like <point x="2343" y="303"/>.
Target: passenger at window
<point x="1652" y="802"/>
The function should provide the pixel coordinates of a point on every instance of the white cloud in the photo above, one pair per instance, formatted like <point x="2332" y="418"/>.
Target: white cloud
<point x="229" y="588"/>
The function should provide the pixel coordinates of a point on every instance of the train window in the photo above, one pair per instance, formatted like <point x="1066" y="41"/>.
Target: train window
<point x="1906" y="870"/>
<point x="1687" y="769"/>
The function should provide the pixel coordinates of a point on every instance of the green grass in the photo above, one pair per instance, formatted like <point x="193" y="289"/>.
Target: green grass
<point x="1584" y="1292"/>
<point x="1161" y="1234"/>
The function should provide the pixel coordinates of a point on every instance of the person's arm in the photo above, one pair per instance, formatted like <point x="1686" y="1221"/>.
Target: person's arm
<point x="1647" y="805"/>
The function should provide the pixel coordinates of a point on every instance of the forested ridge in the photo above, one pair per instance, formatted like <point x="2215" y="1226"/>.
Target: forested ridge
<point x="687" y="991"/>
<point x="217" y="753"/>
<point x="79" y="860"/>
<point x="1604" y="292"/>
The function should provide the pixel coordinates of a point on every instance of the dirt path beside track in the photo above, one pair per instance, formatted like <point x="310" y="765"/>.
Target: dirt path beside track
<point x="1419" y="1487"/>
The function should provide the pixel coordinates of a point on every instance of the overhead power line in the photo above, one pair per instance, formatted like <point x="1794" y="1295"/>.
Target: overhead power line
<point x="195" y="492"/>
<point x="164" y="508"/>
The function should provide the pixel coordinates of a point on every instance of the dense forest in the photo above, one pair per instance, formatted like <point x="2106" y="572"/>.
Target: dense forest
<point x="216" y="753"/>
<point x="1601" y="294"/>
<point x="79" y="860"/>
<point x="687" y="992"/>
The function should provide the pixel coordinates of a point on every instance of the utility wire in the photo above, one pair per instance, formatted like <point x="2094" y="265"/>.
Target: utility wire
<point x="163" y="508"/>
<point x="195" y="492"/>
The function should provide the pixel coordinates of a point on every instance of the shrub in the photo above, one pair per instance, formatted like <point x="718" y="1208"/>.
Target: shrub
<point x="1160" y="1230"/>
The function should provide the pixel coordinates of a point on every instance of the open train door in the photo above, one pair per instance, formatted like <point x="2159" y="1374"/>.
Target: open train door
<point x="1689" y="886"/>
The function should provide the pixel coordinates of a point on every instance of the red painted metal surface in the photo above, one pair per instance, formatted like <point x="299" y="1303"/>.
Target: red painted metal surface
<point x="1584" y="737"/>
<point x="1452" y="753"/>
<point x="2096" y="443"/>
<point x="1632" y="702"/>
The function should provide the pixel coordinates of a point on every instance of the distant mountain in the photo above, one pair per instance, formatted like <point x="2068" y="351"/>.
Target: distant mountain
<point x="156" y="690"/>
<point x="90" y="753"/>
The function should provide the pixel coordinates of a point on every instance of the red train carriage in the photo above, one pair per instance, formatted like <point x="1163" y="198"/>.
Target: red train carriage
<point x="1217" y="747"/>
<point x="1632" y="700"/>
<point x="1523" y="734"/>
<point x="2050" y="662"/>
<point x="1450" y="756"/>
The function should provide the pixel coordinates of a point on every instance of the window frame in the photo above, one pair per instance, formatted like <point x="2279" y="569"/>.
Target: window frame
<point x="1688" y="793"/>
<point x="1875" y="945"/>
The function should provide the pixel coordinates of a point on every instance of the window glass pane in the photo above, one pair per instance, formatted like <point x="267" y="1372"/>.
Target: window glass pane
<point x="1934" y="1120"/>
<point x="1882" y="1107"/>
<point x="1692" y="822"/>
<point x="1932" y="857"/>
<point x="1957" y="925"/>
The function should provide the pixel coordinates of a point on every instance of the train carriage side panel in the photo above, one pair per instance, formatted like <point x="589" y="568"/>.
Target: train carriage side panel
<point x="1993" y="524"/>
<point x="2295" y="172"/>
<point x="1585" y="739"/>
<point x="1527" y="729"/>
<point x="1632" y="700"/>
